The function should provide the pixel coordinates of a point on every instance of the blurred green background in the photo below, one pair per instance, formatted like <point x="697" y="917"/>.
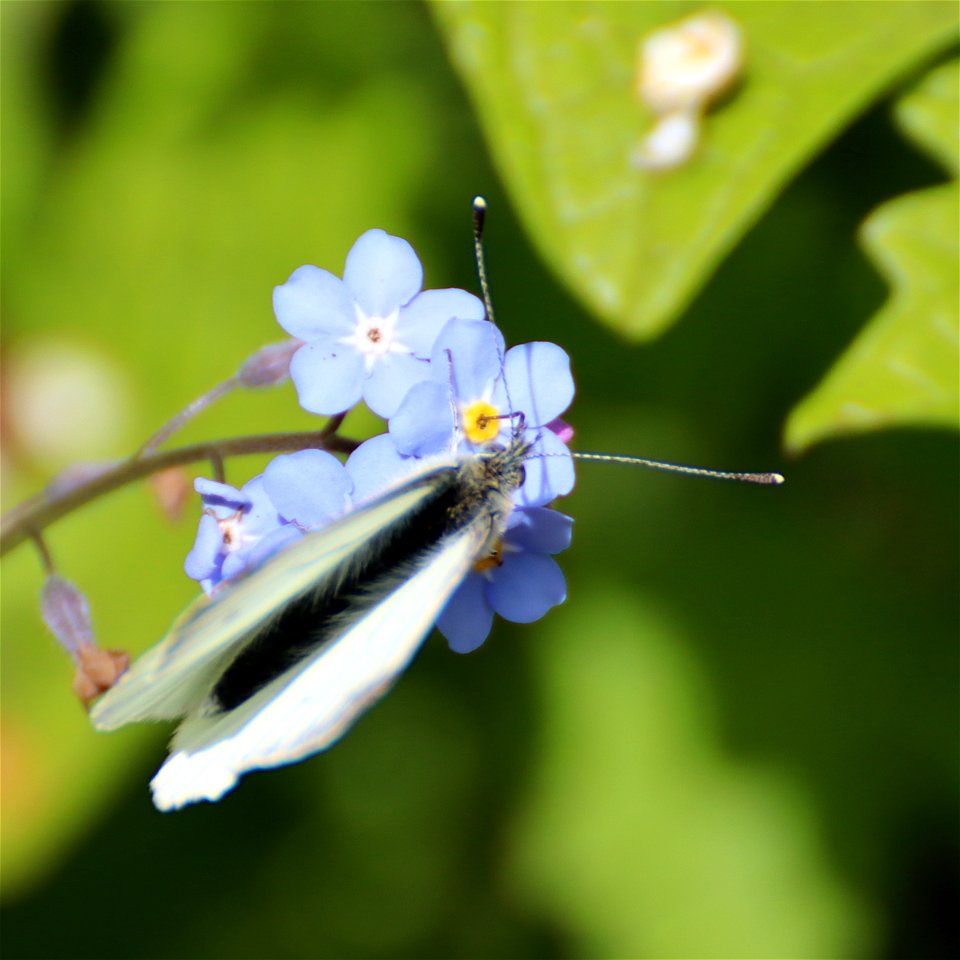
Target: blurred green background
<point x="738" y="737"/>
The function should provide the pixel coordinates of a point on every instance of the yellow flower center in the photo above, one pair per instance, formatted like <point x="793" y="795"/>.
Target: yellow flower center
<point x="493" y="559"/>
<point x="480" y="421"/>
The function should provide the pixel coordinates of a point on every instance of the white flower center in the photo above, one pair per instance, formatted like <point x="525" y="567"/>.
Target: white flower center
<point x="232" y="532"/>
<point x="373" y="337"/>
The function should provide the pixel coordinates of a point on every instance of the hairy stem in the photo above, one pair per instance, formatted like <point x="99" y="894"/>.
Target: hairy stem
<point x="186" y="415"/>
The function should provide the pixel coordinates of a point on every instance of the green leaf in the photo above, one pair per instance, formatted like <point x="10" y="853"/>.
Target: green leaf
<point x="928" y="113"/>
<point x="554" y="86"/>
<point x="903" y="368"/>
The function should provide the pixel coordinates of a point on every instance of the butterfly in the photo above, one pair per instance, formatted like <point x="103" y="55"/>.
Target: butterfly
<point x="281" y="662"/>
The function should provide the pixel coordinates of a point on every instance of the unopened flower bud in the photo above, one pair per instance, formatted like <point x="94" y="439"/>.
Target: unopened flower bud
<point x="269" y="365"/>
<point x="562" y="429"/>
<point x="66" y="613"/>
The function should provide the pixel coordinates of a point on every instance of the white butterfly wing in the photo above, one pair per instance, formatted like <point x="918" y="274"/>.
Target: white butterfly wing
<point x="174" y="677"/>
<point x="308" y="708"/>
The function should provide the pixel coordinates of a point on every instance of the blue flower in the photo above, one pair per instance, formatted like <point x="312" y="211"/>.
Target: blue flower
<point x="240" y="529"/>
<point x="475" y="396"/>
<point x="430" y="363"/>
<point x="370" y="334"/>
<point x="375" y="466"/>
<point x="520" y="585"/>
<point x="309" y="488"/>
<point x="233" y="525"/>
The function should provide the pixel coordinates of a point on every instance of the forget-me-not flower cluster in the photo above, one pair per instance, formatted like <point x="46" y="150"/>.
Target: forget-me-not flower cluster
<point x="429" y="363"/>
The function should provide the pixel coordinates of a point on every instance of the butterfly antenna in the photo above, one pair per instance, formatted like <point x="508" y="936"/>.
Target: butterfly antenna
<point x="769" y="479"/>
<point x="479" y="217"/>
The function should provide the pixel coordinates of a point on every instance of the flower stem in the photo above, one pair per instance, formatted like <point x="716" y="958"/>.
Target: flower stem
<point x="44" y="552"/>
<point x="186" y="415"/>
<point x="27" y="520"/>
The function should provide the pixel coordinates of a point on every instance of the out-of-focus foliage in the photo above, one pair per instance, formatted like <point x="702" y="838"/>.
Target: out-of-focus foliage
<point x="905" y="367"/>
<point x="554" y="88"/>
<point x="738" y="735"/>
<point x="186" y="192"/>
<point x="622" y="825"/>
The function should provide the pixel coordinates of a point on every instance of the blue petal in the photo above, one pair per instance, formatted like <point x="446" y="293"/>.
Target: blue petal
<point x="254" y="555"/>
<point x="204" y="559"/>
<point x="308" y="487"/>
<point x="221" y="497"/>
<point x="548" y="471"/>
<point x="424" y="422"/>
<point x="328" y="377"/>
<point x="538" y="381"/>
<point x="313" y="303"/>
<point x="475" y="350"/>
<point x="525" y="586"/>
<point x="421" y="321"/>
<point x="467" y="617"/>
<point x="539" y="530"/>
<point x="390" y="380"/>
<point x="261" y="516"/>
<point x="375" y="466"/>
<point x="382" y="272"/>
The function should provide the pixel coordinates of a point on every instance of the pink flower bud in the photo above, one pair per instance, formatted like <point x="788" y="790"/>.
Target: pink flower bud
<point x="67" y="614"/>
<point x="562" y="429"/>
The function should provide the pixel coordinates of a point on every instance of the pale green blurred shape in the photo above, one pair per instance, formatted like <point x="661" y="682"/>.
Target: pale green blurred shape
<point x="554" y="89"/>
<point x="904" y="367"/>
<point x="928" y="113"/>
<point x="184" y="219"/>
<point x="639" y="837"/>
